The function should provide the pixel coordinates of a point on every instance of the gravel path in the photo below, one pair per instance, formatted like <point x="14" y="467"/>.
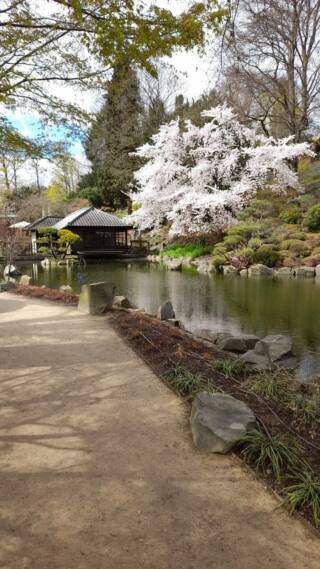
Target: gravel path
<point x="97" y="468"/>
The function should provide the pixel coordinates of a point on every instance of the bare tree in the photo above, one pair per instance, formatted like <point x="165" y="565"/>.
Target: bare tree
<point x="273" y="48"/>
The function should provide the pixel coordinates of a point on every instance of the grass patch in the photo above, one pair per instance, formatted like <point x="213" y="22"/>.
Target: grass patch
<point x="304" y="494"/>
<point x="186" y="382"/>
<point x="306" y="408"/>
<point x="230" y="368"/>
<point x="277" y="453"/>
<point x="272" y="385"/>
<point x="190" y="250"/>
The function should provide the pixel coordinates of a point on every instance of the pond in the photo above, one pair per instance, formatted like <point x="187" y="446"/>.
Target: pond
<point x="222" y="304"/>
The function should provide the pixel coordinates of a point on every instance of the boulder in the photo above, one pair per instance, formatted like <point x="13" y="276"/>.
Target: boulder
<point x="229" y="270"/>
<point x="317" y="271"/>
<point x="121" y="302"/>
<point x="243" y="273"/>
<point x="205" y="267"/>
<point x="273" y="350"/>
<point x="218" y="421"/>
<point x="304" y="271"/>
<point x="284" y="272"/>
<point x="173" y="264"/>
<point x="165" y="311"/>
<point x="96" y="298"/>
<point x="260" y="271"/>
<point x="277" y="346"/>
<point x="65" y="288"/>
<point x="7" y="285"/>
<point x="238" y="344"/>
<point x="25" y="280"/>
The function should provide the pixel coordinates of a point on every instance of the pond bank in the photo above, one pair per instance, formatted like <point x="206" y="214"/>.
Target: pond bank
<point x="103" y="444"/>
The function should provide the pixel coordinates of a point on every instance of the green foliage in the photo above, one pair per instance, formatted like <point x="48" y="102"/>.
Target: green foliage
<point x="189" y="250"/>
<point x="254" y="243"/>
<point x="93" y="195"/>
<point x="304" y="494"/>
<point x="229" y="367"/>
<point x="242" y="258"/>
<point x="56" y="243"/>
<point x="260" y="209"/>
<point x="232" y="241"/>
<point x="306" y="408"/>
<point x="312" y="218"/>
<point x="275" y="385"/>
<point x="186" y="382"/>
<point x="218" y="261"/>
<point x="278" y="453"/>
<point x="292" y="214"/>
<point x="219" y="249"/>
<point x="267" y="255"/>
<point x="245" y="230"/>
<point x="297" y="247"/>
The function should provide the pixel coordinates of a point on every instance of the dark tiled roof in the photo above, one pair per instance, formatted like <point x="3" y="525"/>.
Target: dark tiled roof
<point x="46" y="221"/>
<point x="90" y="217"/>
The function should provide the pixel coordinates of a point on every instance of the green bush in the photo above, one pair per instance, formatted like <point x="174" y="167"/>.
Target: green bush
<point x="218" y="261"/>
<point x="245" y="230"/>
<point x="296" y="246"/>
<point x="219" y="249"/>
<point x="255" y="243"/>
<point x="292" y="215"/>
<point x="259" y="209"/>
<point x="243" y="257"/>
<point x="312" y="218"/>
<point x="232" y="241"/>
<point x="304" y="494"/>
<point x="267" y="255"/>
<point x="297" y="235"/>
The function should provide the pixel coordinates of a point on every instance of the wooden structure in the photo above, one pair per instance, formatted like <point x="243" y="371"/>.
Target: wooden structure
<point x="33" y="229"/>
<point x="102" y="234"/>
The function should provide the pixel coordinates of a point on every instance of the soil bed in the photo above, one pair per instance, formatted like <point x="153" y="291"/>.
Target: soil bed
<point x="69" y="298"/>
<point x="164" y="347"/>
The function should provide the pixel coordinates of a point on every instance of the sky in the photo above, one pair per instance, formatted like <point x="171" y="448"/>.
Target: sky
<point x="195" y="79"/>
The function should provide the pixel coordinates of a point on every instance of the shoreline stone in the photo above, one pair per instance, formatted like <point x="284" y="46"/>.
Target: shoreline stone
<point x="96" y="298"/>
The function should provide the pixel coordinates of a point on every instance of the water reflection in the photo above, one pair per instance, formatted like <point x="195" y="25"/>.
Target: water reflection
<point x="233" y="304"/>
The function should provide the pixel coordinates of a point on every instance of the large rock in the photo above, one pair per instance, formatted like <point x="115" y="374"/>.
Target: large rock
<point x="218" y="421"/>
<point x="304" y="272"/>
<point x="172" y="264"/>
<point x="243" y="273"/>
<point x="277" y="346"/>
<point x="273" y="350"/>
<point x="229" y="270"/>
<point x="238" y="344"/>
<point x="260" y="271"/>
<point x="96" y="298"/>
<point x="284" y="272"/>
<point x="317" y="271"/>
<point x="165" y="311"/>
<point x="121" y="302"/>
<point x="205" y="267"/>
<point x="25" y="280"/>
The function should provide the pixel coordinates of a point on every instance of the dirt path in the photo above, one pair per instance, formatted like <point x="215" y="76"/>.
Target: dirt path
<point x="97" y="468"/>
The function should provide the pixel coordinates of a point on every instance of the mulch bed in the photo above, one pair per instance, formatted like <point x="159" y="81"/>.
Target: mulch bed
<point x="164" y="347"/>
<point x="69" y="298"/>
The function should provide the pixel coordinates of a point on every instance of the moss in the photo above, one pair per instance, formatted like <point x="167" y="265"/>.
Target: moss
<point x="267" y="255"/>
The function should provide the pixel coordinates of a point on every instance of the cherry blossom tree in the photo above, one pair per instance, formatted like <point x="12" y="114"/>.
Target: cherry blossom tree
<point x="198" y="178"/>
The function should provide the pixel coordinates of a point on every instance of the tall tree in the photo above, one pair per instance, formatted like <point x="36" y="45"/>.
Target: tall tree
<point x="115" y="135"/>
<point x="275" y="63"/>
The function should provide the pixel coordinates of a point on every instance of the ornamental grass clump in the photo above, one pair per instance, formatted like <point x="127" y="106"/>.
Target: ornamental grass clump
<point x="186" y="382"/>
<point x="306" y="408"/>
<point x="230" y="368"/>
<point x="276" y="453"/>
<point x="304" y="494"/>
<point x="273" y="385"/>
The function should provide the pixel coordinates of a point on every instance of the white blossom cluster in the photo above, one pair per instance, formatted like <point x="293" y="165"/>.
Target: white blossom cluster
<point x="198" y="178"/>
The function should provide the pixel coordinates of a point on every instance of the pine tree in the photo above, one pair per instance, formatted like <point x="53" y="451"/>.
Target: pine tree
<point x="114" y="136"/>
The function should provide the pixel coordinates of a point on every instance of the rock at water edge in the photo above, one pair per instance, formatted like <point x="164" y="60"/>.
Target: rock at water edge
<point x="165" y="311"/>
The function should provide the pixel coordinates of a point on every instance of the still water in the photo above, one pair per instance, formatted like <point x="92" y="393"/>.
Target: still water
<point x="224" y="304"/>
